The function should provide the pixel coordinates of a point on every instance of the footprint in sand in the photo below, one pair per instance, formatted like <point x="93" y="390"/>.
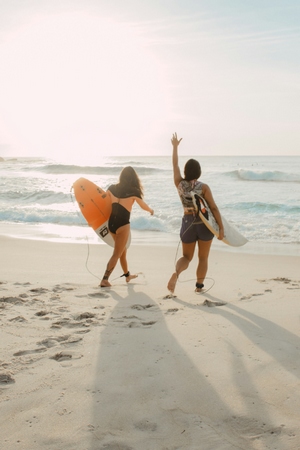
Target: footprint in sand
<point x="86" y="330"/>
<point x="73" y="340"/>
<point x="54" y="341"/>
<point x="211" y="304"/>
<point x="62" y="288"/>
<point x="282" y="280"/>
<point x="172" y="310"/>
<point x="61" y="356"/>
<point x="14" y="300"/>
<point x="137" y="324"/>
<point x="141" y="307"/>
<point x="121" y="319"/>
<point x="248" y="297"/>
<point x="39" y="290"/>
<point x="66" y="322"/>
<point x="48" y="342"/>
<point x="65" y="356"/>
<point x="30" y="352"/>
<point x="43" y="314"/>
<point x="6" y="378"/>
<point x="85" y="319"/>
<point x="94" y="295"/>
<point x="18" y="319"/>
<point x="85" y="315"/>
<point x="98" y="295"/>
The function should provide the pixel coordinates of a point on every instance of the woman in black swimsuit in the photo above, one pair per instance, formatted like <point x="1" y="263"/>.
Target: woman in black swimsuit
<point x="123" y="195"/>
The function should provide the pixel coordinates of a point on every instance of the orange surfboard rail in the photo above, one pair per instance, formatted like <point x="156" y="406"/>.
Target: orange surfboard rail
<point x="94" y="202"/>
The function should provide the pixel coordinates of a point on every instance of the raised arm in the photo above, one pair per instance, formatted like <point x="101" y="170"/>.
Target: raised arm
<point x="144" y="205"/>
<point x="176" y="170"/>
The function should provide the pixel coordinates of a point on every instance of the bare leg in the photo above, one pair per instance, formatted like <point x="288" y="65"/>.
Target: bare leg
<point x="182" y="264"/>
<point x="104" y="281"/>
<point x="124" y="265"/>
<point x="120" y="239"/>
<point x="203" y="253"/>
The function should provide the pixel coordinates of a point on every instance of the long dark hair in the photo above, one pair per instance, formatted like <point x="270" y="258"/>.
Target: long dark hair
<point x="192" y="170"/>
<point x="130" y="181"/>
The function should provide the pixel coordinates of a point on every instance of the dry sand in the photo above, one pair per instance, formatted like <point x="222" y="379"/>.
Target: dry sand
<point x="127" y="369"/>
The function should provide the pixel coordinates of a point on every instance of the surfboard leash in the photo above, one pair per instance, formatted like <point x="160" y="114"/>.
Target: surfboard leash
<point x="88" y="246"/>
<point x="86" y="238"/>
<point x="203" y="291"/>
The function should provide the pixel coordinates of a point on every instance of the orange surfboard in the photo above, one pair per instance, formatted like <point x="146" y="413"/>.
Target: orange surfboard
<point x="95" y="206"/>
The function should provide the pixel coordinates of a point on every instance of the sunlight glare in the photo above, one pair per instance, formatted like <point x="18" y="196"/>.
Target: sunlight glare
<point x="80" y="84"/>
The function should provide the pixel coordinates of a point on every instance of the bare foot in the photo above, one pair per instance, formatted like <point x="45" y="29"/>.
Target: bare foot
<point x="199" y="290"/>
<point x="131" y="277"/>
<point x="172" y="282"/>
<point x="105" y="283"/>
<point x="199" y="287"/>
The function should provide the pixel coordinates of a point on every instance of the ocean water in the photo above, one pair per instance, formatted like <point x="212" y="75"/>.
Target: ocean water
<point x="259" y="195"/>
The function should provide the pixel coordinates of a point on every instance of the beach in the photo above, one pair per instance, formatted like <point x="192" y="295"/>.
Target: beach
<point x="189" y="98"/>
<point x="133" y="368"/>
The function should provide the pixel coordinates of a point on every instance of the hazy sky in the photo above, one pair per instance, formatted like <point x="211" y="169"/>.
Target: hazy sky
<point x="100" y="77"/>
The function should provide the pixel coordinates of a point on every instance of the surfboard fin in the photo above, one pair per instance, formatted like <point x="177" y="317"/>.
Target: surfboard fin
<point x="201" y="206"/>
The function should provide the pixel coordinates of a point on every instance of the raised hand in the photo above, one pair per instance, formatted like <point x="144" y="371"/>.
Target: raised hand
<point x="175" y="141"/>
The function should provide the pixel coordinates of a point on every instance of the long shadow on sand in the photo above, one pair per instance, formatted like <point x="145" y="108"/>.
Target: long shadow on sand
<point x="253" y="326"/>
<point x="150" y="395"/>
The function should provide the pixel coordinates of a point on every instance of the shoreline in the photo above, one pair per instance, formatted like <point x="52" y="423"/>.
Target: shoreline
<point x="85" y="235"/>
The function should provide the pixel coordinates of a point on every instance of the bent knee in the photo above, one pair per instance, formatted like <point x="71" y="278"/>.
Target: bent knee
<point x="188" y="257"/>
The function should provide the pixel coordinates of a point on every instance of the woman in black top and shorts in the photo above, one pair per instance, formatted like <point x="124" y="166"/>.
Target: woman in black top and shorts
<point x="193" y="230"/>
<point x="123" y="195"/>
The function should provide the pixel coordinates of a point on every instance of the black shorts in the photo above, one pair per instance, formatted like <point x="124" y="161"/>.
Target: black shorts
<point x="193" y="230"/>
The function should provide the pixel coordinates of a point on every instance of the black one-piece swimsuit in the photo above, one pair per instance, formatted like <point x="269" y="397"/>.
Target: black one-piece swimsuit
<point x="119" y="216"/>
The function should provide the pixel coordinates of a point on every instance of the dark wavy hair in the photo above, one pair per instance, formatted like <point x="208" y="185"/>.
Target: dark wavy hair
<point x="129" y="180"/>
<point x="192" y="170"/>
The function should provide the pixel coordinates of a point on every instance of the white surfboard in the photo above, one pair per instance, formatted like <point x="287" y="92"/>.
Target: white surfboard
<point x="105" y="235"/>
<point x="231" y="235"/>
